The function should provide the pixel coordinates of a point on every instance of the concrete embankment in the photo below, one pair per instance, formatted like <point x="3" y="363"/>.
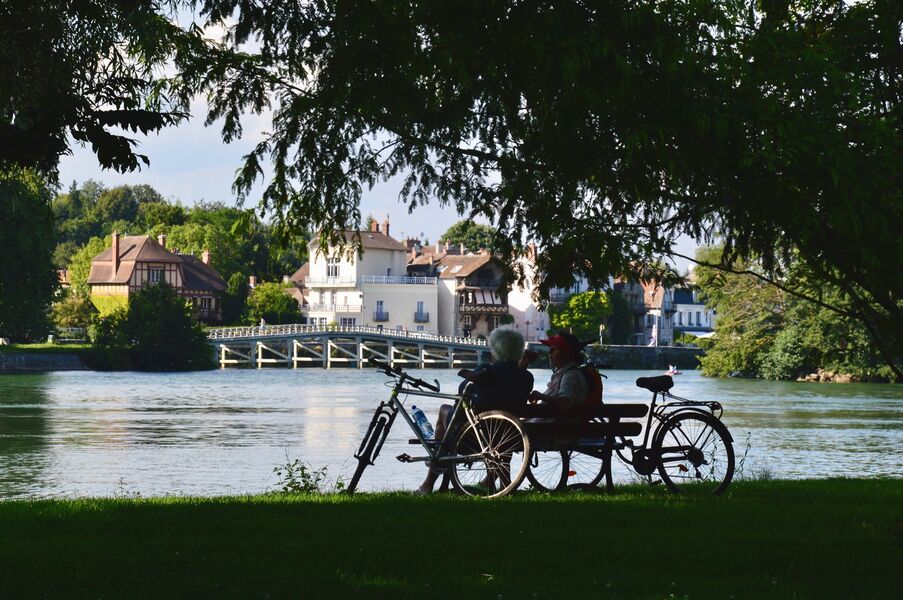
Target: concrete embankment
<point x="39" y="363"/>
<point x="646" y="357"/>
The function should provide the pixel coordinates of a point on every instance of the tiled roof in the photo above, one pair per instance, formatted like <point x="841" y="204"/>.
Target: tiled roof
<point x="134" y="249"/>
<point x="461" y="266"/>
<point x="302" y="272"/>
<point x="196" y="275"/>
<point x="374" y="240"/>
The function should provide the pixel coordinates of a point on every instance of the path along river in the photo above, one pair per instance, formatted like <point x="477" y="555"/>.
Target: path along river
<point x="223" y="432"/>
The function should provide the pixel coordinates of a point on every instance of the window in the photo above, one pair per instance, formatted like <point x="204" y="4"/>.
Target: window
<point x="206" y="303"/>
<point x="680" y="318"/>
<point x="379" y="306"/>
<point x="156" y="275"/>
<point x="698" y="318"/>
<point x="322" y="320"/>
<point x="388" y="271"/>
<point x="466" y="321"/>
<point x="332" y="267"/>
<point x="420" y="328"/>
<point x="420" y="310"/>
<point x="456" y="268"/>
<point x="347" y="321"/>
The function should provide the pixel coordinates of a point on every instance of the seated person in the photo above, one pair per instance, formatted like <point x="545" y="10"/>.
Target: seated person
<point x="501" y="385"/>
<point x="568" y="387"/>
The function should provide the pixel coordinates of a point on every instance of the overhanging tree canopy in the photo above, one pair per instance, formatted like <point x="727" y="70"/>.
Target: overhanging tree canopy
<point x="601" y="130"/>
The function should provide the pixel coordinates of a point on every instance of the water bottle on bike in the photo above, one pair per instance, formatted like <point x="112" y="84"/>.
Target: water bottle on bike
<point x="422" y="422"/>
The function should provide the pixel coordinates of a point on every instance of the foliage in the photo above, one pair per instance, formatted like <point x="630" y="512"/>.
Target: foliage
<point x="235" y="298"/>
<point x="620" y="322"/>
<point x="155" y="333"/>
<point x="473" y="236"/>
<point x="269" y="301"/>
<point x="73" y="311"/>
<point x="161" y="215"/>
<point x="762" y="331"/>
<point x="107" y="305"/>
<point x="582" y="314"/>
<point x="601" y="131"/>
<point x="297" y="477"/>
<point x="28" y="279"/>
<point x="80" y="264"/>
<point x="85" y="72"/>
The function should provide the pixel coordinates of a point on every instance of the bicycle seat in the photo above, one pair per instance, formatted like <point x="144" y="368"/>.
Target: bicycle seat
<point x="656" y="385"/>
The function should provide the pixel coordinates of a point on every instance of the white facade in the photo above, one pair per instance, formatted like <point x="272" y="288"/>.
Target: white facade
<point x="369" y="290"/>
<point x="691" y="315"/>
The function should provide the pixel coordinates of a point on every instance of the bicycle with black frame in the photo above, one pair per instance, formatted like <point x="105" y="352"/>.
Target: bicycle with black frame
<point x="483" y="454"/>
<point x="684" y="441"/>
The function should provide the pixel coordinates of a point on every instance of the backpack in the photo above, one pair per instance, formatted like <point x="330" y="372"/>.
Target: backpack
<point x="593" y="383"/>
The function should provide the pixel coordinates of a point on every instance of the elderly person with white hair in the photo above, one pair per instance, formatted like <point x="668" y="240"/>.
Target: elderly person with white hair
<point x="502" y="385"/>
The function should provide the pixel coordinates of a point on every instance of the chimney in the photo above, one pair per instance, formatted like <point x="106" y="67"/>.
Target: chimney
<point x="205" y="257"/>
<point x="447" y="246"/>
<point x="115" y="254"/>
<point x="252" y="281"/>
<point x="462" y="249"/>
<point x="386" y="225"/>
<point x="374" y="226"/>
<point x="438" y="247"/>
<point x="161" y="239"/>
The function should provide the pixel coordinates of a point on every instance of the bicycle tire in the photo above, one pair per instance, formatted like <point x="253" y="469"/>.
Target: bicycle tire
<point x="504" y="458"/>
<point x="550" y="472"/>
<point x="687" y="441"/>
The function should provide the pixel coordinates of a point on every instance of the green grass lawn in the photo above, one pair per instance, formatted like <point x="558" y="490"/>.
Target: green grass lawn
<point x="773" y="539"/>
<point x="45" y="349"/>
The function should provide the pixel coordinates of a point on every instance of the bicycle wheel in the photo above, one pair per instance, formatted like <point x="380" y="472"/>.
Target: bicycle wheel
<point x="584" y="470"/>
<point x="492" y="456"/>
<point x="548" y="470"/>
<point x="694" y="454"/>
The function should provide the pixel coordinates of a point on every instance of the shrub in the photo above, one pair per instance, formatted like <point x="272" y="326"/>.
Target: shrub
<point x="155" y="333"/>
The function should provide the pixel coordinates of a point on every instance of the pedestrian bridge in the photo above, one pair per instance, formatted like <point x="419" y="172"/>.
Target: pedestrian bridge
<point x="331" y="346"/>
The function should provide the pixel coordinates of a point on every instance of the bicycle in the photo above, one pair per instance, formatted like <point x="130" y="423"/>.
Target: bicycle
<point x="691" y="448"/>
<point x="483" y="454"/>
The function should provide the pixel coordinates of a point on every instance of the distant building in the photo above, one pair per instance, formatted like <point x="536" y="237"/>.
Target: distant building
<point x="691" y="315"/>
<point x="133" y="262"/>
<point x="470" y="302"/>
<point x="373" y="289"/>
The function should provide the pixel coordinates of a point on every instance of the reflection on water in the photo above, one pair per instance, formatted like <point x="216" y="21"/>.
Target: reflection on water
<point x="222" y="432"/>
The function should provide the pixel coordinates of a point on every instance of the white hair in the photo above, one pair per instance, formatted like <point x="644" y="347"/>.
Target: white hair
<point x="507" y="345"/>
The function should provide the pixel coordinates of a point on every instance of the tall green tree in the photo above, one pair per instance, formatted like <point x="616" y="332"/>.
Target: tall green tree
<point x="270" y="302"/>
<point x="80" y="264"/>
<point x="473" y="236"/>
<point x="27" y="275"/>
<point x="601" y="130"/>
<point x="582" y="314"/>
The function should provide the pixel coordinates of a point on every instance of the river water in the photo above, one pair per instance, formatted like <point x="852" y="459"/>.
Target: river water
<point x="223" y="432"/>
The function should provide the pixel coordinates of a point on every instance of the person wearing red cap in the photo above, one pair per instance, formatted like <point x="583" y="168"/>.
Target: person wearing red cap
<point x="568" y="387"/>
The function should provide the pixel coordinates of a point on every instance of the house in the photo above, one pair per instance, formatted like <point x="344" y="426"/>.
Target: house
<point x="528" y="316"/>
<point x="370" y="289"/>
<point x="690" y="314"/>
<point x="470" y="302"/>
<point x="133" y="262"/>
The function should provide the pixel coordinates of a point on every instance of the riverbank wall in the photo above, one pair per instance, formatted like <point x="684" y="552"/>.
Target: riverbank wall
<point x="40" y="363"/>
<point x="645" y="357"/>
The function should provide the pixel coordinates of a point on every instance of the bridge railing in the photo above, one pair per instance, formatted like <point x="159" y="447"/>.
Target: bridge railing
<point x="269" y="331"/>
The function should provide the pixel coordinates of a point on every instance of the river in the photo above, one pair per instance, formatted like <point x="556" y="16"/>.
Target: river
<point x="72" y="434"/>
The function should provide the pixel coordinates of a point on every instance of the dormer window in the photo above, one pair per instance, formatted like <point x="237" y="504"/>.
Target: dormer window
<point x="332" y="267"/>
<point x="156" y="275"/>
<point x="456" y="268"/>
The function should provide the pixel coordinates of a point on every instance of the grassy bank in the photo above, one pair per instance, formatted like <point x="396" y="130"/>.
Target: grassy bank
<point x="78" y="349"/>
<point x="811" y="539"/>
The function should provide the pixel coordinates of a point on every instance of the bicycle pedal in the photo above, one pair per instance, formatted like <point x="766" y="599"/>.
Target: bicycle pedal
<point x="656" y="482"/>
<point x="405" y="458"/>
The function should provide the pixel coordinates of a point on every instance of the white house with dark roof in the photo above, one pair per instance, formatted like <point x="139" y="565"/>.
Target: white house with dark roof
<point x="372" y="289"/>
<point x="133" y="262"/>
<point x="691" y="315"/>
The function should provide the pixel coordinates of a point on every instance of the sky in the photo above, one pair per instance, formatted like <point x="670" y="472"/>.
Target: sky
<point x="191" y="163"/>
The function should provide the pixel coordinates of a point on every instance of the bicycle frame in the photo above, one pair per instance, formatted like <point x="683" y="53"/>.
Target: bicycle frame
<point x="384" y="417"/>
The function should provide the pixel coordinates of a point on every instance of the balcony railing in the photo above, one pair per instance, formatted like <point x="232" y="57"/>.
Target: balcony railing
<point x="498" y="309"/>
<point x="492" y="284"/>
<point x="421" y="317"/>
<point x="334" y="308"/>
<point x="329" y="282"/>
<point x="400" y="280"/>
<point x="380" y="317"/>
<point x="558" y="297"/>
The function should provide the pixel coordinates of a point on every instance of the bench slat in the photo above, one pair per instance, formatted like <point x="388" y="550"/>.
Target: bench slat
<point x="583" y="429"/>
<point x="605" y="411"/>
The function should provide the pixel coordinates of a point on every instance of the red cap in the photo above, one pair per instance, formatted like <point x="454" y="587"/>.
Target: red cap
<point x="567" y="342"/>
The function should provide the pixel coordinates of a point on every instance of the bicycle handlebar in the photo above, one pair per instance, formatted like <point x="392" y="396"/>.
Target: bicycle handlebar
<point x="397" y="371"/>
